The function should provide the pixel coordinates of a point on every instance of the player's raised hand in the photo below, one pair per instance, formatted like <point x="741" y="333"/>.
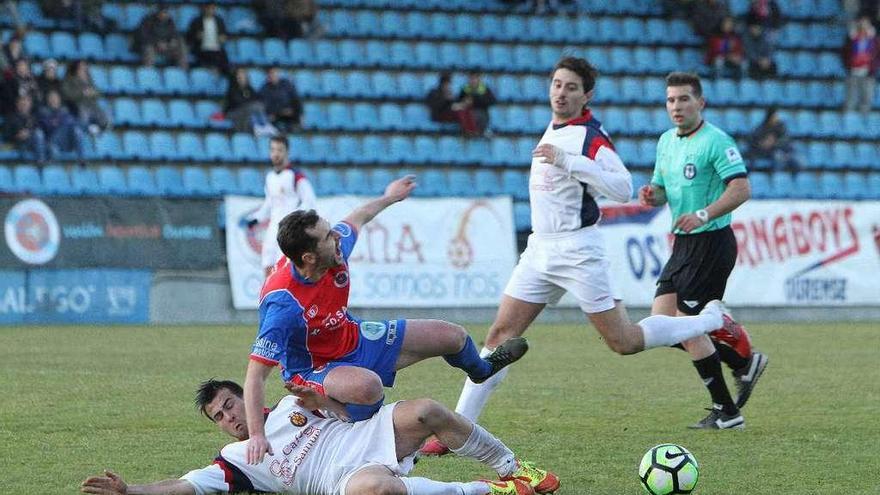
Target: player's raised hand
<point x="550" y="154"/>
<point x="257" y="448"/>
<point x="109" y="484"/>
<point x="401" y="188"/>
<point x="646" y="195"/>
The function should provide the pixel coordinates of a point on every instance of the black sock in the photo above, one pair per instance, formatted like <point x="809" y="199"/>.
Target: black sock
<point x="730" y="357"/>
<point x="709" y="370"/>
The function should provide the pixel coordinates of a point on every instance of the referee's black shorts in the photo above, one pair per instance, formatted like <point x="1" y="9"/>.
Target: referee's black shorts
<point x="698" y="269"/>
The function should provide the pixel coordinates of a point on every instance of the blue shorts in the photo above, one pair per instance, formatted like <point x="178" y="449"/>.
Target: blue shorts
<point x="377" y="350"/>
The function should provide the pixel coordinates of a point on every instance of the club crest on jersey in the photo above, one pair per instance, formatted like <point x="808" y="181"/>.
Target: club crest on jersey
<point x="372" y="330"/>
<point x="690" y="171"/>
<point x="340" y="279"/>
<point x="298" y="419"/>
<point x="312" y="312"/>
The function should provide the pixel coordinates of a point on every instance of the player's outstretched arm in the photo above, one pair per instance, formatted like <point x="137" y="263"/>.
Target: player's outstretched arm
<point x="397" y="190"/>
<point x="254" y="401"/>
<point x="112" y="484"/>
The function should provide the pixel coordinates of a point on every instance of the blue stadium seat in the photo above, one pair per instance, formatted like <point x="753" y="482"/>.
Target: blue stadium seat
<point x="181" y="114"/>
<point x="150" y="81"/>
<point x="359" y="85"/>
<point x="326" y="53"/>
<point x="831" y="186"/>
<point x="117" y="46"/>
<point x="55" y="181"/>
<point x="169" y="182"/>
<point x="375" y="149"/>
<point x="380" y="85"/>
<point x="107" y="146"/>
<point x="250" y="181"/>
<point x="486" y="183"/>
<point x="378" y="54"/>
<point x="122" y="81"/>
<point x="100" y="78"/>
<point x="63" y="46"/>
<point x="783" y="185"/>
<point x="854" y="126"/>
<point x="402" y="149"/>
<point x="392" y="24"/>
<point x="300" y="53"/>
<point x="477" y="152"/>
<point x="843" y="155"/>
<point x="461" y="183"/>
<point x="501" y="58"/>
<point x="112" y="180"/>
<point x="424" y="149"/>
<point x="760" y="185"/>
<point x="351" y="54"/>
<point x="443" y="27"/>
<point x="332" y="84"/>
<point x="184" y="15"/>
<point x="866" y="156"/>
<point x="525" y="57"/>
<point x="244" y="148"/>
<point x="176" y="81"/>
<point x="189" y="147"/>
<point x="126" y="112"/>
<point x="339" y="116"/>
<point x="467" y="27"/>
<point x="855" y="185"/>
<point x="329" y="182"/>
<point x="217" y="146"/>
<point x="356" y="181"/>
<point x="204" y="82"/>
<point x="410" y="86"/>
<point x="153" y="112"/>
<point x="452" y="56"/>
<point x="246" y="51"/>
<point x="241" y="20"/>
<point x="515" y="183"/>
<point x="806" y="185"/>
<point x="134" y="14"/>
<point x="275" y="51"/>
<point x="323" y="149"/>
<point x="432" y="183"/>
<point x="402" y="54"/>
<point x="206" y="110"/>
<point x="162" y="146"/>
<point x="873" y="188"/>
<point x="136" y="146"/>
<point x="417" y="116"/>
<point x="820" y="154"/>
<point x="315" y="116"/>
<point x="347" y="149"/>
<point x="141" y="181"/>
<point x="390" y="117"/>
<point x="522" y="216"/>
<point x="85" y="181"/>
<point x="36" y="44"/>
<point x="220" y="180"/>
<point x="830" y="124"/>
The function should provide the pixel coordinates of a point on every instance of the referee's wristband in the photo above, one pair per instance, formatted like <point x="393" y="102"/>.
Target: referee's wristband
<point x="703" y="215"/>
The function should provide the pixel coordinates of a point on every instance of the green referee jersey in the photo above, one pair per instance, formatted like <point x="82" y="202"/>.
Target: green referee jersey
<point x="694" y="169"/>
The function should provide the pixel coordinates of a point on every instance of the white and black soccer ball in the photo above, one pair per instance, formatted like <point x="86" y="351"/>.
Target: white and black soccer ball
<point x="669" y="469"/>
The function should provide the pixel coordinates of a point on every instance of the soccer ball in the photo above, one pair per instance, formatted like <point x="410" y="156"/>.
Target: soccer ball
<point x="667" y="469"/>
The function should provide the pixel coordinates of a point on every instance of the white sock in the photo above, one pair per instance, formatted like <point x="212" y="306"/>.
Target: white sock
<point x="424" y="486"/>
<point x="474" y="397"/>
<point x="663" y="331"/>
<point x="484" y="447"/>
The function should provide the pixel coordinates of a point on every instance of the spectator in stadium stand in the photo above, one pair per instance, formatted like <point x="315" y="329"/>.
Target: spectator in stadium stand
<point x="60" y="127"/>
<point x="157" y="35"/>
<point x="725" y="54"/>
<point x="305" y="13"/>
<point x="446" y="108"/>
<point x="480" y="98"/>
<point x="861" y="55"/>
<point x="759" y="52"/>
<point x="243" y="106"/>
<point x="706" y="17"/>
<point x="86" y="14"/>
<point x="770" y="145"/>
<point x="48" y="80"/>
<point x="206" y="35"/>
<point x="78" y="91"/>
<point x="20" y="82"/>
<point x="281" y="100"/>
<point x="288" y="18"/>
<point x="768" y="15"/>
<point x="12" y="51"/>
<point x="22" y="129"/>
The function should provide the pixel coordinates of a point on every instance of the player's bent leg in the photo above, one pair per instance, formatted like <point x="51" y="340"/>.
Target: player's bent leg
<point x="359" y="389"/>
<point x="621" y="336"/>
<point x="429" y="338"/>
<point x="416" y="420"/>
<point x="375" y="480"/>
<point x="513" y="318"/>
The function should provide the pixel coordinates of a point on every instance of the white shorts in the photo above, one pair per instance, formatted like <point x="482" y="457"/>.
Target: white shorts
<point x="569" y="261"/>
<point x="271" y="252"/>
<point x="367" y="444"/>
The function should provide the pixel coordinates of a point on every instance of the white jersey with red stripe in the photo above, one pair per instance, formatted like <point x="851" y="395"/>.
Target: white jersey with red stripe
<point x="286" y="191"/>
<point x="565" y="200"/>
<point x="313" y="454"/>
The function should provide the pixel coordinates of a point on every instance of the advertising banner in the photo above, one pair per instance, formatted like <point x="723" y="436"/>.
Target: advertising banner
<point x="74" y="296"/>
<point x="107" y="232"/>
<point x="791" y="253"/>
<point x="418" y="253"/>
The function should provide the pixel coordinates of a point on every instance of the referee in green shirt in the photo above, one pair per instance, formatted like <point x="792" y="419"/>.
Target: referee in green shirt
<point x="699" y="171"/>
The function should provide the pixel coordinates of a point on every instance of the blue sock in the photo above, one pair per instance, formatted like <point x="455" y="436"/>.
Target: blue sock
<point x="360" y="412"/>
<point x="469" y="360"/>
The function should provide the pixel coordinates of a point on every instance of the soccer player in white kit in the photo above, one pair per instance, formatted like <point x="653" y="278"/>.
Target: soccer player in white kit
<point x="574" y="163"/>
<point x="317" y="454"/>
<point x="287" y="189"/>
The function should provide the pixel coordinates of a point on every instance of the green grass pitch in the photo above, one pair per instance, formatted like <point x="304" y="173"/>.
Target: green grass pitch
<point x="76" y="400"/>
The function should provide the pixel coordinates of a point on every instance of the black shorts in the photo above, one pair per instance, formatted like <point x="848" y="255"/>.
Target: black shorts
<point x="698" y="269"/>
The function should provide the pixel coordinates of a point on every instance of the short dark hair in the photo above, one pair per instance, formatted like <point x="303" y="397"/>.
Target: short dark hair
<point x="581" y="67"/>
<point x="278" y="138"/>
<point x="293" y="239"/>
<point x="445" y="77"/>
<point x="209" y="389"/>
<point x="685" y="79"/>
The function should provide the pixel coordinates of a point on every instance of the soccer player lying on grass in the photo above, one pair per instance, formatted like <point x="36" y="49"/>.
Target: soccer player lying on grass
<point x="317" y="454"/>
<point x="305" y="326"/>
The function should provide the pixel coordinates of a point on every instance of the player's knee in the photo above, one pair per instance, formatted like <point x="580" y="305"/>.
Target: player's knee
<point x="376" y="485"/>
<point x="431" y="413"/>
<point x="622" y="346"/>
<point x="458" y="336"/>
<point x="369" y="393"/>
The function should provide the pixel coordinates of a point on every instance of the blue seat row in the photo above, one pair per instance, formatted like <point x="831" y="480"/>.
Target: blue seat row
<point x="805" y="184"/>
<point x="176" y="113"/>
<point x="812" y="94"/>
<point x="238" y="20"/>
<point x="416" y="24"/>
<point x="118" y="80"/>
<point x="162" y="145"/>
<point x="637" y="7"/>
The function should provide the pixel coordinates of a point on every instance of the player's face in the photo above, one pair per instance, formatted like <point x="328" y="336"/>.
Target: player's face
<point x="567" y="96"/>
<point x="684" y="107"/>
<point x="227" y="411"/>
<point x="327" y="251"/>
<point x="277" y="154"/>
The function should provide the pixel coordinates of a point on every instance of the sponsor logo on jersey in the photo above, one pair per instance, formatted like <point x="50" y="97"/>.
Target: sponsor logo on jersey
<point x="691" y="304"/>
<point x="733" y="155"/>
<point x="392" y="333"/>
<point x="372" y="330"/>
<point x="298" y="419"/>
<point x="340" y="280"/>
<point x="343" y="229"/>
<point x="32" y="232"/>
<point x="690" y="171"/>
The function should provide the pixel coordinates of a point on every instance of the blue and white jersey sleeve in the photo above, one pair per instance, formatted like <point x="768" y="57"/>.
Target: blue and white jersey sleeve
<point x="280" y="317"/>
<point x="347" y="238"/>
